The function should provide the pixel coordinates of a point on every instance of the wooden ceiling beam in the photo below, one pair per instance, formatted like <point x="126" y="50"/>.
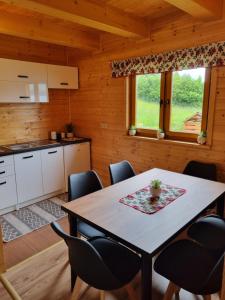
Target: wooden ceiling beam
<point x="84" y="12"/>
<point x="201" y="9"/>
<point x="42" y="29"/>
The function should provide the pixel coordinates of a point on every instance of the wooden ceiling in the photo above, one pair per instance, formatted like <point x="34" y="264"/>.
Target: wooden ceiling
<point x="80" y="24"/>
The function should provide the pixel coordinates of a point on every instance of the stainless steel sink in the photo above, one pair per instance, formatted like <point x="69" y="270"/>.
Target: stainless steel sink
<point x="18" y="146"/>
<point x="30" y="145"/>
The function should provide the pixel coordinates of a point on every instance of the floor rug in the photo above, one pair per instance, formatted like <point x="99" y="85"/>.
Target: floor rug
<point x="32" y="217"/>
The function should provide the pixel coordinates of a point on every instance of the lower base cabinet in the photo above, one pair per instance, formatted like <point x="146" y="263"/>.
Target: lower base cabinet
<point x="8" y="195"/>
<point x="28" y="175"/>
<point x="52" y="169"/>
<point x="76" y="159"/>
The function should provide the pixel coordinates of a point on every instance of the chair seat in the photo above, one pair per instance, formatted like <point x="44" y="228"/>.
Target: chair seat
<point x="88" y="231"/>
<point x="188" y="265"/>
<point x="121" y="261"/>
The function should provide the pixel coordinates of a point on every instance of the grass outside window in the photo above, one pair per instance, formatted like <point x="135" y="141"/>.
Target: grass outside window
<point x="176" y="102"/>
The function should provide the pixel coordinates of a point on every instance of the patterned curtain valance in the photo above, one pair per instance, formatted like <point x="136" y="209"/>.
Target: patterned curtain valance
<point x="212" y="54"/>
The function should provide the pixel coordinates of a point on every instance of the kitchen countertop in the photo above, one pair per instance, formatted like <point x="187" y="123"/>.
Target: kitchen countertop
<point x="39" y="145"/>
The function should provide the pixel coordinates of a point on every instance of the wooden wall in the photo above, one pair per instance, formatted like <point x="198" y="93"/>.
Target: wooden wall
<point x="99" y="107"/>
<point x="25" y="122"/>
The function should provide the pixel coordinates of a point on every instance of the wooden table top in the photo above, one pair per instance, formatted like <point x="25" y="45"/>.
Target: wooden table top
<point x="146" y="233"/>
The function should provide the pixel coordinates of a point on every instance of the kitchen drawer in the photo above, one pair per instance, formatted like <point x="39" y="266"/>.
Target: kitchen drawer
<point x="7" y="171"/>
<point x="8" y="196"/>
<point x="6" y="160"/>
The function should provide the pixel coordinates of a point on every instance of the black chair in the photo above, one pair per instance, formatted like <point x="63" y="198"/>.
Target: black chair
<point x="209" y="231"/>
<point x="201" y="170"/>
<point x="82" y="184"/>
<point x="121" y="171"/>
<point x="206" y="255"/>
<point x="100" y="262"/>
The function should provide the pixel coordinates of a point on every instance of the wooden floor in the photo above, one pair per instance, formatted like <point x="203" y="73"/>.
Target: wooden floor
<point x="46" y="276"/>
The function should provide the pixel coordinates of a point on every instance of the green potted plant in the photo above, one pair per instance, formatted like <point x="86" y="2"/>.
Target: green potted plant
<point x="69" y="130"/>
<point x="155" y="188"/>
<point x="160" y="133"/>
<point x="132" y="130"/>
<point x="201" y="139"/>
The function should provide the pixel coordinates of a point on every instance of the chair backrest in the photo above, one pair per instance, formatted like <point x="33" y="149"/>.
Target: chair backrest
<point x="209" y="231"/>
<point x="87" y="263"/>
<point x="81" y="184"/>
<point x="121" y="171"/>
<point x="201" y="170"/>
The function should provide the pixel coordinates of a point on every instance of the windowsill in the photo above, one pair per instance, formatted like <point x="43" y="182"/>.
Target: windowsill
<point x="169" y="142"/>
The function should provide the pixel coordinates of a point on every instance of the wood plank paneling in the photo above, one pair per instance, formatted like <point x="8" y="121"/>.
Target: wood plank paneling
<point x="25" y="122"/>
<point x="99" y="111"/>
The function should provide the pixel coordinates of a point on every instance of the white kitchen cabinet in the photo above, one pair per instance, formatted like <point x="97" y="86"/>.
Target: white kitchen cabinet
<point x="52" y="169"/>
<point x="76" y="159"/>
<point x="22" y="71"/>
<point x="62" y="77"/>
<point x="16" y="92"/>
<point x="8" y="195"/>
<point x="28" y="175"/>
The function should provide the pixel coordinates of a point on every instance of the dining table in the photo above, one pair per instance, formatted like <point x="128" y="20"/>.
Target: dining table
<point x="146" y="233"/>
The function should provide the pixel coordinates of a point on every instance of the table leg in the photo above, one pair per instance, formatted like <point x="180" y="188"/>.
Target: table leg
<point x="73" y="232"/>
<point x="146" y="281"/>
<point x="220" y="205"/>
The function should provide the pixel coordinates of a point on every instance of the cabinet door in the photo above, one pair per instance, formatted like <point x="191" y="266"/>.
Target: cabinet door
<point x="8" y="196"/>
<point x="16" y="92"/>
<point x="62" y="77"/>
<point x="52" y="169"/>
<point x="22" y="71"/>
<point x="28" y="175"/>
<point x="76" y="159"/>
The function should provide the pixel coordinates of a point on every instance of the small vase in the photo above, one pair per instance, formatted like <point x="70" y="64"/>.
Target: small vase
<point x="155" y="192"/>
<point x="132" y="131"/>
<point x="160" y="135"/>
<point x="69" y="134"/>
<point x="201" y="140"/>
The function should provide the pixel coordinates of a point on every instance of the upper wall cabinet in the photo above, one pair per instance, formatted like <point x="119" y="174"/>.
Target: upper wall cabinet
<point x="62" y="77"/>
<point x="22" y="71"/>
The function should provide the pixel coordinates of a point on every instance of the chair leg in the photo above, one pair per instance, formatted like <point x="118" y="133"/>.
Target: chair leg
<point x="131" y="292"/>
<point x="76" y="290"/>
<point x="171" y="290"/>
<point x="102" y="295"/>
<point x="222" y="295"/>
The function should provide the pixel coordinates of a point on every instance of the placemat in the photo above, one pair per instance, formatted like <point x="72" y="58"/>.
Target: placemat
<point x="143" y="201"/>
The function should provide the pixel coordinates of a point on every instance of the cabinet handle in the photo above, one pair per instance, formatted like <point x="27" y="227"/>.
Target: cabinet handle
<point x="24" y="97"/>
<point x="4" y="182"/>
<point x="30" y="156"/>
<point x="2" y="161"/>
<point x="64" y="83"/>
<point x="3" y="172"/>
<point x="22" y="76"/>
<point x="51" y="152"/>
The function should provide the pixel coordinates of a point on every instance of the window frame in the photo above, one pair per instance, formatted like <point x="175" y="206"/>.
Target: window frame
<point x="165" y="108"/>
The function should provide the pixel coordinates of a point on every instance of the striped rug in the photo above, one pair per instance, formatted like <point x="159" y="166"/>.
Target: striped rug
<point x="27" y="219"/>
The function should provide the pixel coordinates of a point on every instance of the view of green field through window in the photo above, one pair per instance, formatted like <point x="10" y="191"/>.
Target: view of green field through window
<point x="186" y="100"/>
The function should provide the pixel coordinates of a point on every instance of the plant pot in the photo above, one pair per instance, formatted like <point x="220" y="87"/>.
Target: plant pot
<point x="155" y="192"/>
<point x="69" y="134"/>
<point x="132" y="131"/>
<point x="201" y="140"/>
<point x="160" y="135"/>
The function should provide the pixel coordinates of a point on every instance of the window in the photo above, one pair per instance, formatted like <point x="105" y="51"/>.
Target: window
<point x="176" y="102"/>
